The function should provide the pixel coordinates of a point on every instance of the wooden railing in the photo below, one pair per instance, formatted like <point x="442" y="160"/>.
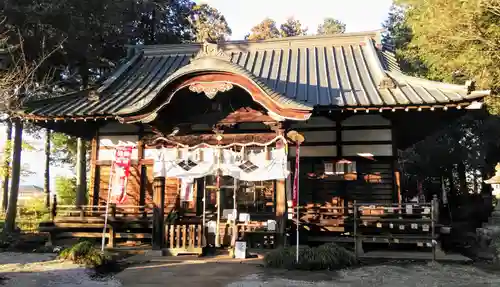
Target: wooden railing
<point x="183" y="238"/>
<point x="323" y="218"/>
<point x="87" y="221"/>
<point x="403" y="223"/>
<point x="360" y="222"/>
<point x="114" y="211"/>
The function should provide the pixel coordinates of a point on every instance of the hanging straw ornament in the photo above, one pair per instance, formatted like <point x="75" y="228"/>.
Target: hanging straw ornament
<point x="268" y="153"/>
<point x="243" y="154"/>
<point x="200" y="154"/>
<point x="178" y="153"/>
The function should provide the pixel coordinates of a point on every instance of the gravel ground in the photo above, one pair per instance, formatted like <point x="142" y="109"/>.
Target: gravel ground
<point x="27" y="270"/>
<point x="421" y="275"/>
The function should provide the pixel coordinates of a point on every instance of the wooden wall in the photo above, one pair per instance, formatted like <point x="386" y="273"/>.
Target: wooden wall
<point x="329" y="140"/>
<point x="326" y="140"/>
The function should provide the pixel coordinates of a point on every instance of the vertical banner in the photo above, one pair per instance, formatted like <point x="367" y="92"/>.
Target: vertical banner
<point x="296" y="176"/>
<point x="187" y="189"/>
<point x="120" y="172"/>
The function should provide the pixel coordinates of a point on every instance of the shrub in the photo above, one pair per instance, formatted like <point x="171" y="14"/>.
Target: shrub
<point x="85" y="253"/>
<point x="326" y="257"/>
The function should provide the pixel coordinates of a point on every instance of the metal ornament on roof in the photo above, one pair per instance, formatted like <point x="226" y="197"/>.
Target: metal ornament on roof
<point x="211" y="50"/>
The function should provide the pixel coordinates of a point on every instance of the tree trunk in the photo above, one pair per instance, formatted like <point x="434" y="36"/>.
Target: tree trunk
<point x="462" y="178"/>
<point x="6" y="166"/>
<point x="46" y="179"/>
<point x="453" y="192"/>
<point x="81" y="173"/>
<point x="152" y="35"/>
<point x="10" y="220"/>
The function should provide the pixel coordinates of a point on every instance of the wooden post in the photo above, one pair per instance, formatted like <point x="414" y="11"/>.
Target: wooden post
<point x="281" y="210"/>
<point x="111" y="236"/>
<point x="234" y="232"/>
<point x="433" y="232"/>
<point x="81" y="173"/>
<point x="112" y="206"/>
<point x="217" y="229"/>
<point x="158" y="213"/>
<point x="355" y="226"/>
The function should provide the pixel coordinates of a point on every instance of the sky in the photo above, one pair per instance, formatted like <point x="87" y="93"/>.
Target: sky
<point x="358" y="15"/>
<point x="34" y="161"/>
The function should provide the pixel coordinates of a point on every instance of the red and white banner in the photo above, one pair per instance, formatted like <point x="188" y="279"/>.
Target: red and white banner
<point x="296" y="176"/>
<point x="187" y="190"/>
<point x="120" y="172"/>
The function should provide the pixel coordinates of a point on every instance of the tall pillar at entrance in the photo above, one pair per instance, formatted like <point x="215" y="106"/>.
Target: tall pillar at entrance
<point x="81" y="173"/>
<point x="280" y="210"/>
<point x="158" y="236"/>
<point x="281" y="200"/>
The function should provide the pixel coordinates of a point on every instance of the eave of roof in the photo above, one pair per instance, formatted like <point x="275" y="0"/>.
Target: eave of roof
<point x="348" y="71"/>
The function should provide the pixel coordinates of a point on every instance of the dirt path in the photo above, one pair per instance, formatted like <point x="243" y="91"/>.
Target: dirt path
<point x="210" y="274"/>
<point x="43" y="270"/>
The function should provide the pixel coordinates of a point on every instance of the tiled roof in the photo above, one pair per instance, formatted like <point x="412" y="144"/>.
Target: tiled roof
<point x="349" y="70"/>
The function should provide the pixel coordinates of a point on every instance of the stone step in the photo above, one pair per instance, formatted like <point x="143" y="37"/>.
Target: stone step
<point x="489" y="229"/>
<point x="494" y="220"/>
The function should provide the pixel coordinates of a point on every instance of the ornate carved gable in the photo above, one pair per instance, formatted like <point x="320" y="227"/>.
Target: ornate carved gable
<point x="211" y="50"/>
<point x="210" y="89"/>
<point x="246" y="115"/>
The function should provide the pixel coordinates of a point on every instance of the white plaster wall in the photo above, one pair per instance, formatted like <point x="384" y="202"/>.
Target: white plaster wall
<point x="376" y="150"/>
<point x="366" y="120"/>
<point x="367" y="135"/>
<point x="116" y="127"/>
<point x="314" y="151"/>
<point x="108" y="143"/>
<point x="320" y="136"/>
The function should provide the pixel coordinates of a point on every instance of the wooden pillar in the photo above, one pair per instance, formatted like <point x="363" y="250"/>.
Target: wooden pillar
<point x="81" y="173"/>
<point x="280" y="197"/>
<point x="143" y="177"/>
<point x="281" y="208"/>
<point x="158" y="213"/>
<point x="94" y="172"/>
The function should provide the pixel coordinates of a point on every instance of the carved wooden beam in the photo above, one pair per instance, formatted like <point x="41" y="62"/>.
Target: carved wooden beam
<point x="210" y="89"/>
<point x="211" y="139"/>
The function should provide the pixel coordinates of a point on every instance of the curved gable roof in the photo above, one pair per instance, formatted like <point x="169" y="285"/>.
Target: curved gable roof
<point x="345" y="71"/>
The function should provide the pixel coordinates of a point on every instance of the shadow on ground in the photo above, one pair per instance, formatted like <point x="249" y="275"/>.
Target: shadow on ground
<point x="42" y="270"/>
<point x="195" y="272"/>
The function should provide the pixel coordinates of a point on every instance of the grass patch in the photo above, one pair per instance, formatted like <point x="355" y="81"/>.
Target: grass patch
<point x="325" y="257"/>
<point x="85" y="253"/>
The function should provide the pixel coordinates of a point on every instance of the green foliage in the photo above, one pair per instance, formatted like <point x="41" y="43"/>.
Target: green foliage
<point x="85" y="253"/>
<point x="398" y="36"/>
<point x="457" y="40"/>
<point x="6" y="159"/>
<point x="492" y="104"/>
<point x="266" y="29"/>
<point x="209" y="24"/>
<point x="331" y="26"/>
<point x="64" y="149"/>
<point x="31" y="214"/>
<point x="292" y="28"/>
<point x="66" y="190"/>
<point x="326" y="257"/>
